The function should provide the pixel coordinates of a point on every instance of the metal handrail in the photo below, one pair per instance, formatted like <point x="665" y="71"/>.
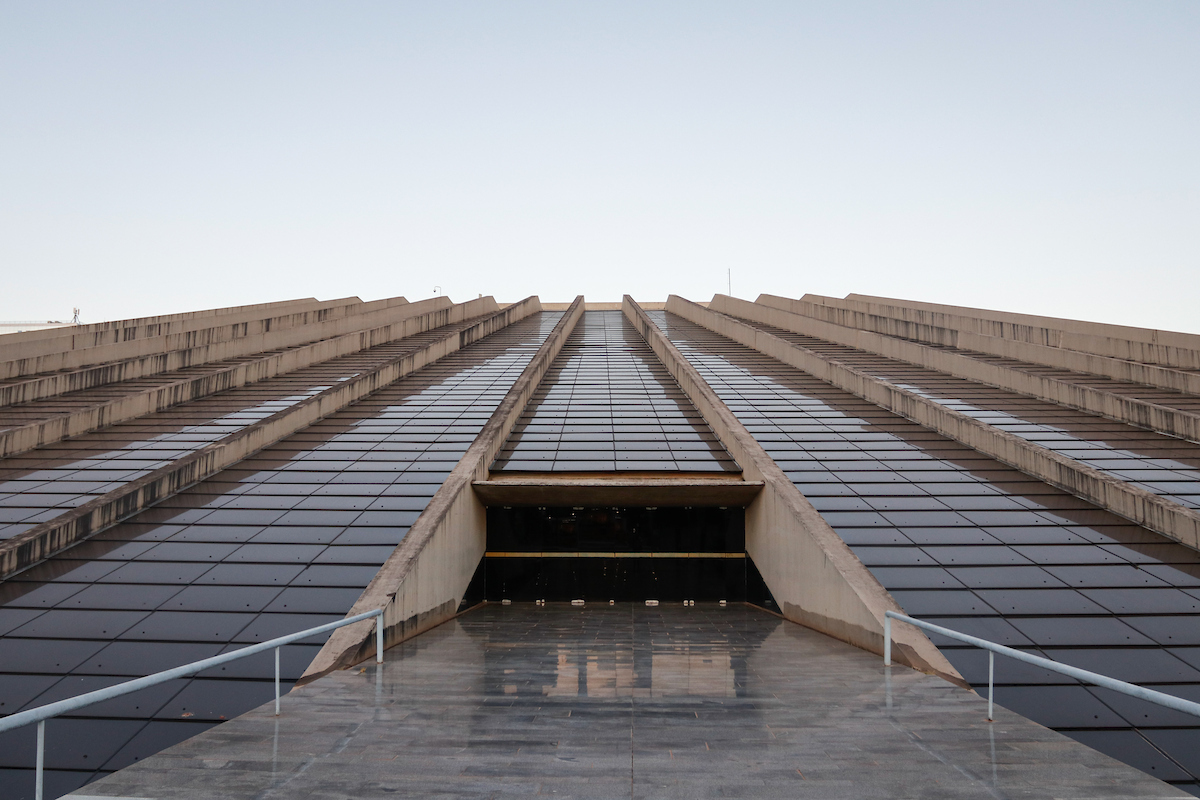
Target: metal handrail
<point x="1133" y="690"/>
<point x="43" y="713"/>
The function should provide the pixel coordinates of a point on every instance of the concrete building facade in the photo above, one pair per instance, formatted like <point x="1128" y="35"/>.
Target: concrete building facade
<point x="176" y="487"/>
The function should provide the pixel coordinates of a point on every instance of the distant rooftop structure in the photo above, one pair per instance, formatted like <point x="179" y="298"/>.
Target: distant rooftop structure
<point x="174" y="487"/>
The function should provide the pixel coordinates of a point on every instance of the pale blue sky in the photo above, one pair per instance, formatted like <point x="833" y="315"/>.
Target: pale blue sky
<point x="1033" y="156"/>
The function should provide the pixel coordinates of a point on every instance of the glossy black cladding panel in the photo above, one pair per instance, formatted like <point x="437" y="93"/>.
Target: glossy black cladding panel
<point x="607" y="404"/>
<point x="966" y="542"/>
<point x="284" y="541"/>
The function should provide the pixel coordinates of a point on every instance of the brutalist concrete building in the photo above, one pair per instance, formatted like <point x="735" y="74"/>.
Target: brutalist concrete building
<point x="177" y="487"/>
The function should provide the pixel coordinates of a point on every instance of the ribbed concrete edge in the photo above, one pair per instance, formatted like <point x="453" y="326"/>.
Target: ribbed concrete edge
<point x="77" y="349"/>
<point x="78" y="524"/>
<point x="414" y="318"/>
<point x="76" y="370"/>
<point x="815" y="577"/>
<point x="865" y="316"/>
<point x="1110" y="330"/>
<point x="1131" y="502"/>
<point x="423" y="581"/>
<point x="1163" y="419"/>
<point x="1144" y="345"/>
<point x="19" y="339"/>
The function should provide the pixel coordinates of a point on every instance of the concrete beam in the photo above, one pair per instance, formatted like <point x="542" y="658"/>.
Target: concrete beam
<point x="616" y="490"/>
<point x="80" y="523"/>
<point x="136" y="404"/>
<point x="815" y="577"/>
<point x="851" y="315"/>
<point x="1130" y="410"/>
<point x="84" y="337"/>
<point x="1149" y="510"/>
<point x="1145" y="345"/>
<point x="9" y="339"/>
<point x="146" y="355"/>
<point x="422" y="583"/>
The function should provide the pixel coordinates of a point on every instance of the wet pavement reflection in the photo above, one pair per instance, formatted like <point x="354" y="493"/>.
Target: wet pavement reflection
<point x="627" y="701"/>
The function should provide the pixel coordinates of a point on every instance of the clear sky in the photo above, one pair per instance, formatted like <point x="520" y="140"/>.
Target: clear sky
<point x="1032" y="156"/>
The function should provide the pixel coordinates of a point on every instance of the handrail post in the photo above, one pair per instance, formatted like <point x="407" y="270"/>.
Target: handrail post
<point x="41" y="759"/>
<point x="887" y="640"/>
<point x="277" y="681"/>
<point x="379" y="639"/>
<point x="991" y="681"/>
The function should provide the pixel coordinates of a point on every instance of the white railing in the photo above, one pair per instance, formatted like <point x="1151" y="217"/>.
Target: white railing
<point x="1170" y="701"/>
<point x="43" y="713"/>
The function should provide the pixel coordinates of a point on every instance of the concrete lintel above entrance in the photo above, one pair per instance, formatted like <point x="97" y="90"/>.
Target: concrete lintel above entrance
<point x="616" y="490"/>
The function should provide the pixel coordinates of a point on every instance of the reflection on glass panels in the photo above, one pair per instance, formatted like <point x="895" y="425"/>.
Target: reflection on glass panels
<point x="40" y="485"/>
<point x="608" y="404"/>
<point x="966" y="542"/>
<point x="286" y="540"/>
<point x="1163" y="465"/>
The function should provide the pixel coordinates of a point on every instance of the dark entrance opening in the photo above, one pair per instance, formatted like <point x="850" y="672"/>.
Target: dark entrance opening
<point x="622" y="554"/>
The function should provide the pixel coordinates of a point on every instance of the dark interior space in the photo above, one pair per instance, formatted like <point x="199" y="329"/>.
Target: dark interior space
<point x="621" y="554"/>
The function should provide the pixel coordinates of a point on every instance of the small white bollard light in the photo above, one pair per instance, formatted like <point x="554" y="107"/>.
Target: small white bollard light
<point x="651" y="602"/>
<point x="506" y="602"/>
<point x="722" y="604"/>
<point x="576" y="602"/>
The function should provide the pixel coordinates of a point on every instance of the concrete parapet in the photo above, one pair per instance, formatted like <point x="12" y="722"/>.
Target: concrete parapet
<point x="875" y="319"/>
<point x="54" y="535"/>
<point x="1144" y="345"/>
<point x="93" y="327"/>
<point x="1131" y="502"/>
<point x="1130" y="410"/>
<point x="37" y="434"/>
<point x="814" y="576"/>
<point x="79" y="337"/>
<point x="422" y="583"/>
<point x="107" y="362"/>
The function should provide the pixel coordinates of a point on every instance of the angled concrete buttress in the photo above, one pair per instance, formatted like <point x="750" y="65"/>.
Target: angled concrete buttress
<point x="1120" y="497"/>
<point x="71" y="527"/>
<point x="814" y="576"/>
<point x="422" y="583"/>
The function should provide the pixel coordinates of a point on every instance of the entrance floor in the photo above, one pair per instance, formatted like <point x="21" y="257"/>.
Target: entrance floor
<point x="628" y="701"/>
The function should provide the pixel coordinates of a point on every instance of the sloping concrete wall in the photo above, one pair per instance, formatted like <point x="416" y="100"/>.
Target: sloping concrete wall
<point x="1133" y="411"/>
<point x="1156" y="513"/>
<point x="875" y="319"/>
<point x="136" y="404"/>
<point x="423" y="582"/>
<point x="813" y="575"/>
<point x="80" y="523"/>
<point x="1145" y="345"/>
<point x="223" y="338"/>
<point x="230" y="312"/>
